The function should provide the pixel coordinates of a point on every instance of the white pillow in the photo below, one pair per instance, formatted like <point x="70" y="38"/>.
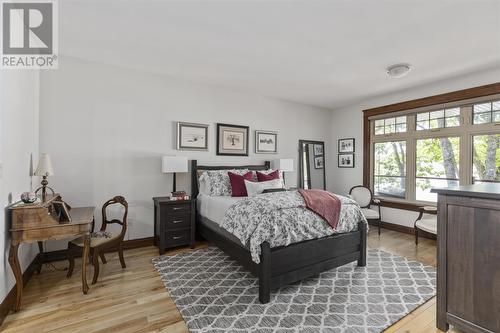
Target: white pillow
<point x="254" y="188"/>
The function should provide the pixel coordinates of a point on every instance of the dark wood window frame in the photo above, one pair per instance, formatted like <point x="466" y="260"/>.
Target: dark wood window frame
<point x="455" y="96"/>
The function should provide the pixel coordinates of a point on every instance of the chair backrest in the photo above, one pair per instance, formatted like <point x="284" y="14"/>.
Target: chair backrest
<point x="116" y="200"/>
<point x="362" y="195"/>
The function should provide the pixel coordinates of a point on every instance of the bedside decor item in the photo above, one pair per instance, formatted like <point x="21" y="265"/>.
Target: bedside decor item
<point x="28" y="197"/>
<point x="232" y="140"/>
<point x="319" y="162"/>
<point x="283" y="164"/>
<point x="174" y="164"/>
<point x="266" y="142"/>
<point x="346" y="161"/>
<point x="44" y="169"/>
<point x="191" y="136"/>
<point x="318" y="150"/>
<point x="346" y="145"/>
<point x="173" y="223"/>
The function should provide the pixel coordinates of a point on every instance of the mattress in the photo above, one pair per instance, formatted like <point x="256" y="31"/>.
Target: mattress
<point x="214" y="207"/>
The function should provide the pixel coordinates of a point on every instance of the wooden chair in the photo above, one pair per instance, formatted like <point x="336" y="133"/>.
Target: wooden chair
<point x="101" y="241"/>
<point x="364" y="197"/>
<point x="428" y="224"/>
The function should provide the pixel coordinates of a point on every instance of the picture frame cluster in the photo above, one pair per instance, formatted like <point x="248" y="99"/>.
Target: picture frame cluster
<point x="232" y="140"/>
<point x="346" y="148"/>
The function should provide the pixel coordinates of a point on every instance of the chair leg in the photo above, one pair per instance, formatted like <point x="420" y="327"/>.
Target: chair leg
<point x="120" y="254"/>
<point x="379" y="224"/>
<point x="95" y="263"/>
<point x="103" y="258"/>
<point x="71" y="260"/>
<point x="416" y="236"/>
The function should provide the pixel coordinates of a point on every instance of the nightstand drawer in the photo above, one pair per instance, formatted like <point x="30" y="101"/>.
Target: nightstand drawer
<point x="177" y="237"/>
<point x="181" y="220"/>
<point x="178" y="208"/>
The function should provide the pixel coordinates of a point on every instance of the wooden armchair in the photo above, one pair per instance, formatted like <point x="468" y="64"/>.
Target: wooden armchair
<point x="364" y="197"/>
<point x="102" y="241"/>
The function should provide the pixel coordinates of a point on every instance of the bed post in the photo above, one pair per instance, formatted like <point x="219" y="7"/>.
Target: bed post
<point x="194" y="178"/>
<point x="362" y="246"/>
<point x="265" y="273"/>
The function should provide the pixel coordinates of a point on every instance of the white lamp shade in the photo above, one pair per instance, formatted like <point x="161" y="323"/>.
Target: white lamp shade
<point x="284" y="164"/>
<point x="174" y="164"/>
<point x="44" y="167"/>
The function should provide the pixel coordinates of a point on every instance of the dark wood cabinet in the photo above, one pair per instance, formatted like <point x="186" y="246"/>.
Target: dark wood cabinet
<point x="174" y="223"/>
<point x="468" y="279"/>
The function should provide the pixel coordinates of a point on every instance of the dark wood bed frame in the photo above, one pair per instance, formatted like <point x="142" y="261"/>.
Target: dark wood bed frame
<point x="283" y="265"/>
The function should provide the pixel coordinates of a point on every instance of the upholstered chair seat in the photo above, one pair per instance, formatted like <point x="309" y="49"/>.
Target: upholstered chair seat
<point x="370" y="213"/>
<point x="426" y="221"/>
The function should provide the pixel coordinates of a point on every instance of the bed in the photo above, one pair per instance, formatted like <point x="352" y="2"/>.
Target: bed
<point x="278" y="266"/>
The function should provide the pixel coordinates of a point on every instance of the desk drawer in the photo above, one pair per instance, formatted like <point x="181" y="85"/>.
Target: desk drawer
<point x="178" y="208"/>
<point x="177" y="237"/>
<point x="181" y="220"/>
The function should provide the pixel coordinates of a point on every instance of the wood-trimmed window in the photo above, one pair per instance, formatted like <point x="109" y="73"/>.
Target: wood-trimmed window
<point x="442" y="140"/>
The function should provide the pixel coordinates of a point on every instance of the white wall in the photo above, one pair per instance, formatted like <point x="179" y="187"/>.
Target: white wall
<point x="347" y="122"/>
<point x="106" y="128"/>
<point x="18" y="140"/>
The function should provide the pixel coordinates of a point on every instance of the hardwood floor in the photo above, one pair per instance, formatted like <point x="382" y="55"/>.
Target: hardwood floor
<point x="135" y="300"/>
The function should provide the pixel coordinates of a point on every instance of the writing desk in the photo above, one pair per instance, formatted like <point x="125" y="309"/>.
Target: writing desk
<point x="36" y="223"/>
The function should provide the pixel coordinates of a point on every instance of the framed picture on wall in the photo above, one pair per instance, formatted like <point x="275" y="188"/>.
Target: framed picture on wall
<point x="192" y="136"/>
<point x="318" y="150"/>
<point x="346" y="145"/>
<point x="346" y="161"/>
<point x="319" y="162"/>
<point x="266" y="142"/>
<point x="232" y="140"/>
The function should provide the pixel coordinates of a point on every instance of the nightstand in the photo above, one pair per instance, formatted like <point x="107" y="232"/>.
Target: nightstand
<point x="174" y="223"/>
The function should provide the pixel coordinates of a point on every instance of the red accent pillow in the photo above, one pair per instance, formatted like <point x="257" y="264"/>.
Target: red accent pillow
<point x="238" y="187"/>
<point x="263" y="177"/>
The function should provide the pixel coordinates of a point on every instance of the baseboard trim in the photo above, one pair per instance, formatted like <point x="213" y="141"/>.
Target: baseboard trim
<point x="9" y="300"/>
<point x="403" y="229"/>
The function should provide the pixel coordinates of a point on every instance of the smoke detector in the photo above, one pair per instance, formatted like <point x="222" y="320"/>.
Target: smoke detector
<point x="399" y="70"/>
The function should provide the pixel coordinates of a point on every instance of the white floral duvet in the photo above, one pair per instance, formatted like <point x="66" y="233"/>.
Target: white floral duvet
<point x="281" y="218"/>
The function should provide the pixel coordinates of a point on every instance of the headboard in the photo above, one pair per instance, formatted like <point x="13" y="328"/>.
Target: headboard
<point x="195" y="168"/>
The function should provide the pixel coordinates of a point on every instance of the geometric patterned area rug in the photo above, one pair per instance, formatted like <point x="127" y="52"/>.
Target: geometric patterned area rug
<point x="215" y="294"/>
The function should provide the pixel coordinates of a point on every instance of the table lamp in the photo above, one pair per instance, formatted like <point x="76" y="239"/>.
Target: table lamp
<point x="174" y="164"/>
<point x="44" y="169"/>
<point x="285" y="165"/>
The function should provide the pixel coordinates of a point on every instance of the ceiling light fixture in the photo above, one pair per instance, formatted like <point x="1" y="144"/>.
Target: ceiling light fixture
<point x="399" y="70"/>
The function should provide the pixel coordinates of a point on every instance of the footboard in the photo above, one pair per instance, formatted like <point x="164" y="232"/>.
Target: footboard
<point x="284" y="265"/>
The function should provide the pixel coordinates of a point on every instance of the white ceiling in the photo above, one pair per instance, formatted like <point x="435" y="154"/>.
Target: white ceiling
<point x="324" y="53"/>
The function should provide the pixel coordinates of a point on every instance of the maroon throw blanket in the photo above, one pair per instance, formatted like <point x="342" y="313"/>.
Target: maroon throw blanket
<point x="323" y="203"/>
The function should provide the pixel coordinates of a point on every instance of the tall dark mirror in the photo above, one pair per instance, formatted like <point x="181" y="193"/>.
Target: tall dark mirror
<point x="312" y="164"/>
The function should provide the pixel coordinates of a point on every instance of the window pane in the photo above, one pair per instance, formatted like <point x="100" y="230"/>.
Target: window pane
<point x="422" y="125"/>
<point x="423" y="116"/>
<point x="390" y="129"/>
<point x="437" y="114"/>
<point x="486" y="158"/>
<point x="496" y="116"/>
<point x="496" y="105"/>
<point x="482" y="107"/>
<point x="390" y="169"/>
<point x="401" y="120"/>
<point x="452" y="121"/>
<point x="379" y="130"/>
<point x="437" y="123"/>
<point x="452" y="112"/>
<point x="437" y="164"/>
<point x="400" y="128"/>
<point x="482" y="118"/>
<point x="390" y="121"/>
<point x="379" y="123"/>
